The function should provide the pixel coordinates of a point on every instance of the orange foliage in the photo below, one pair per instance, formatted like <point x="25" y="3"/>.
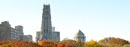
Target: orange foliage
<point x="110" y="42"/>
<point x="45" y="43"/>
<point x="14" y="43"/>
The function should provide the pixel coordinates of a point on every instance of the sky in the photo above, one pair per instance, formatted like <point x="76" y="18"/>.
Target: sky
<point x="97" y="19"/>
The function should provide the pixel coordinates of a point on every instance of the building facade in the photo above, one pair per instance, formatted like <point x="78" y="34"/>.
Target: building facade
<point x="13" y="34"/>
<point x="19" y="32"/>
<point x="80" y="36"/>
<point x="47" y="31"/>
<point x="27" y="37"/>
<point x="5" y="31"/>
<point x="46" y="28"/>
<point x="56" y="36"/>
<point x="9" y="33"/>
<point x="38" y="36"/>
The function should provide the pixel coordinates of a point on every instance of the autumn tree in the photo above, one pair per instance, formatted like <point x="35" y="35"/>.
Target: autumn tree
<point x="112" y="42"/>
<point x="128" y="45"/>
<point x="79" y="43"/>
<point x="18" y="43"/>
<point x="45" y="43"/>
<point x="67" y="43"/>
<point x="92" y="43"/>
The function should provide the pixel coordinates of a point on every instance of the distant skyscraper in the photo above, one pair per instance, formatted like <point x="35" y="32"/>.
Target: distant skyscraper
<point x="19" y="30"/>
<point x="80" y="36"/>
<point x="5" y="31"/>
<point x="9" y="33"/>
<point x="46" y="28"/>
<point x="47" y="31"/>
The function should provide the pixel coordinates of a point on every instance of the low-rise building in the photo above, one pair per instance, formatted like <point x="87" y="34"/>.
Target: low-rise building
<point x="27" y="37"/>
<point x="56" y="36"/>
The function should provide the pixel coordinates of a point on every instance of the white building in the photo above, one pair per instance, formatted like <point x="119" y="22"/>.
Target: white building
<point x="80" y="36"/>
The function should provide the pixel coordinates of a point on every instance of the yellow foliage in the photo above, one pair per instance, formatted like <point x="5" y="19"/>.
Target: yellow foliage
<point x="92" y="43"/>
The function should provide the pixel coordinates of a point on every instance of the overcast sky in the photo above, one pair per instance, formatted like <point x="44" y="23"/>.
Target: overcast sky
<point x="96" y="18"/>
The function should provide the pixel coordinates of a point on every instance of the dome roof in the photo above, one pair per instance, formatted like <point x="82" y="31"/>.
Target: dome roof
<point x="80" y="36"/>
<point x="79" y="33"/>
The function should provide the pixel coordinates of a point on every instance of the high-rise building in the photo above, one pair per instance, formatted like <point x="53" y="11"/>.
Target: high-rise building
<point x="46" y="28"/>
<point x="19" y="30"/>
<point x="5" y="31"/>
<point x="80" y="36"/>
<point x="9" y="33"/>
<point x="47" y="31"/>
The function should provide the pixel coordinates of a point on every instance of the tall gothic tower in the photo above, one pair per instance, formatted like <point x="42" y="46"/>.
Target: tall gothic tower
<point x="46" y="27"/>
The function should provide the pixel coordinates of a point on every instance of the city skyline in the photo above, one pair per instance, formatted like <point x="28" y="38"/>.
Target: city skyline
<point x="97" y="19"/>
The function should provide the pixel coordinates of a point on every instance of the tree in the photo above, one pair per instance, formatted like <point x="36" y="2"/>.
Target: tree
<point x="126" y="45"/>
<point x="45" y="43"/>
<point x="18" y="43"/>
<point x="80" y="43"/>
<point x="92" y="43"/>
<point x="112" y="42"/>
<point x="67" y="43"/>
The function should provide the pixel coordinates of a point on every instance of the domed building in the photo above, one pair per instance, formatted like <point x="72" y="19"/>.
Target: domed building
<point x="80" y="36"/>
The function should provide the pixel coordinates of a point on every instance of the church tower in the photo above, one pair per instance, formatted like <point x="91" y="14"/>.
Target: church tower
<point x="46" y="27"/>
